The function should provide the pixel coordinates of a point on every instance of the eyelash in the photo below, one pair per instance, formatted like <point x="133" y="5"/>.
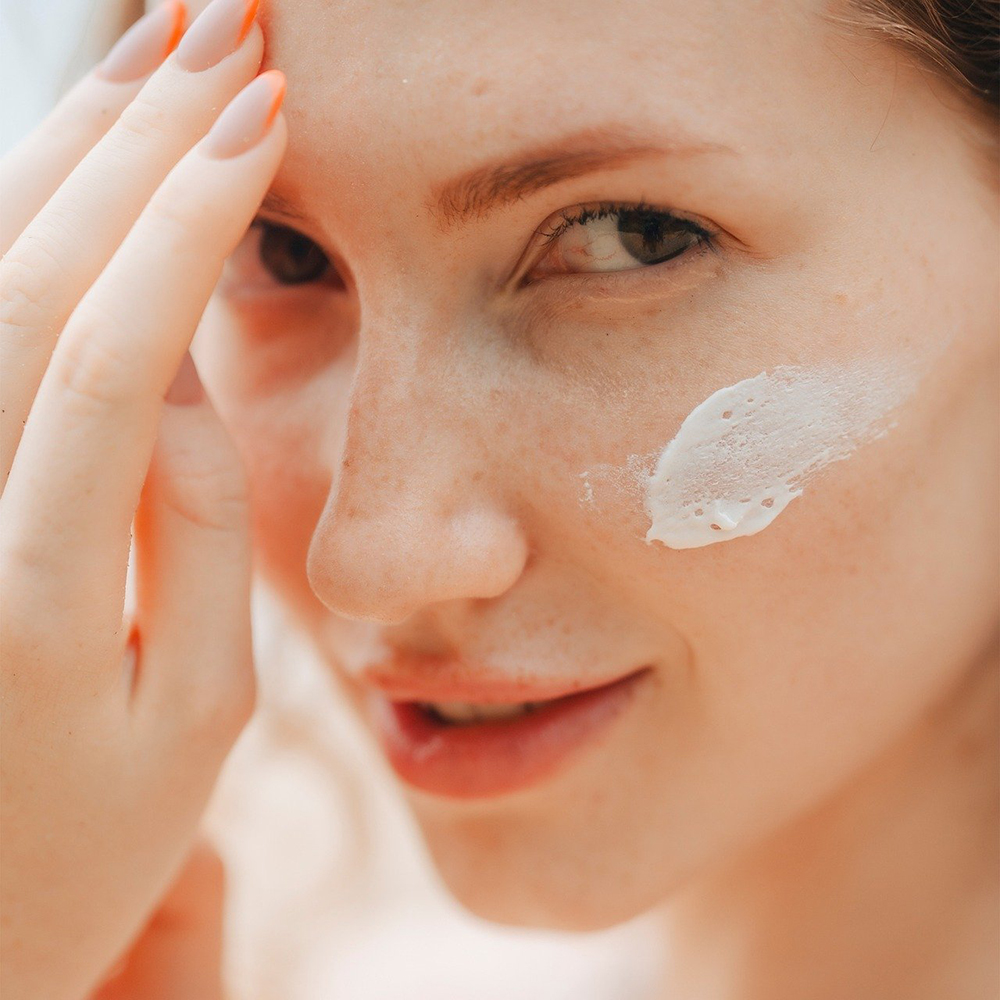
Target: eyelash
<point x="580" y="215"/>
<point x="602" y="209"/>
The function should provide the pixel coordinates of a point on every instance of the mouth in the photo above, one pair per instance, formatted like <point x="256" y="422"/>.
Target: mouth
<point x="494" y="744"/>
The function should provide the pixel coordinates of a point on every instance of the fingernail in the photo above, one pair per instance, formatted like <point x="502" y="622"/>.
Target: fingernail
<point x="247" y="117"/>
<point x="145" y="45"/>
<point x="186" y="387"/>
<point x="216" y="32"/>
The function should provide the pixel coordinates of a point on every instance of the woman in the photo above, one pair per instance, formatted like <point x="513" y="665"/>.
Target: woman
<point x="615" y="389"/>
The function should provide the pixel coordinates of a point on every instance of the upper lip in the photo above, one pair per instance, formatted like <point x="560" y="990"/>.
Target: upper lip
<point x="408" y="677"/>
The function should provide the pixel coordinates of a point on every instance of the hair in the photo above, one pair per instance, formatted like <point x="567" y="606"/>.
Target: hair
<point x="960" y="39"/>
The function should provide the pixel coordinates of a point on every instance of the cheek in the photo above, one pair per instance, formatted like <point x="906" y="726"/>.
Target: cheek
<point x="282" y="442"/>
<point x="287" y="420"/>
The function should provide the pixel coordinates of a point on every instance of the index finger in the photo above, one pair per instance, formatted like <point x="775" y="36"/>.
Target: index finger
<point x="68" y="243"/>
<point x="77" y="476"/>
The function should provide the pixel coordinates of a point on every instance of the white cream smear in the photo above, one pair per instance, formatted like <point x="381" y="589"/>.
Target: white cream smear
<point x="743" y="455"/>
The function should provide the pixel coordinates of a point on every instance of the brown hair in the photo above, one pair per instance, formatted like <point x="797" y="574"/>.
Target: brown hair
<point x="958" y="38"/>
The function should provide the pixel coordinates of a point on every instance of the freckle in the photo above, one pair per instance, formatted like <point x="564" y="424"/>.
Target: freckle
<point x="480" y="87"/>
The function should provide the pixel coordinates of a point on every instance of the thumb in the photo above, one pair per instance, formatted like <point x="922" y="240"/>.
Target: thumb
<point x="194" y="559"/>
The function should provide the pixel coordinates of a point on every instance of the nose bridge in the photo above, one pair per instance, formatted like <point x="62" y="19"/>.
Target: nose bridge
<point x="410" y="518"/>
<point x="374" y="430"/>
<point x="398" y="435"/>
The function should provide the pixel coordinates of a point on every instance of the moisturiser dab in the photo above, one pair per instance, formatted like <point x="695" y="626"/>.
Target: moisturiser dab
<point x="743" y="455"/>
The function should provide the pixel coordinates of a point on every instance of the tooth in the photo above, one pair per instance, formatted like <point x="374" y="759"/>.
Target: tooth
<point x="463" y="712"/>
<point x="454" y="711"/>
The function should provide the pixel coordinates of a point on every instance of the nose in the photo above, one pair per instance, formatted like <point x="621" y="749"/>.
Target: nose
<point x="415" y="514"/>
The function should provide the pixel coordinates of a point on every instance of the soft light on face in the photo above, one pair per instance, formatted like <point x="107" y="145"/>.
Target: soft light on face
<point x="744" y="454"/>
<point x="416" y="420"/>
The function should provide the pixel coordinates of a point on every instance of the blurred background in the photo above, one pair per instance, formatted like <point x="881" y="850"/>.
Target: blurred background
<point x="330" y="893"/>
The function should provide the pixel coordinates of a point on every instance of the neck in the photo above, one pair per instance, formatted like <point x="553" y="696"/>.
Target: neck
<point x="888" y="889"/>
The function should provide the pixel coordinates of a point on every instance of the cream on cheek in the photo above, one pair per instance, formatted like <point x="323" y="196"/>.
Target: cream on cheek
<point x="743" y="455"/>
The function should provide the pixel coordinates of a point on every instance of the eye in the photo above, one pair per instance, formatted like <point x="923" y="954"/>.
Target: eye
<point x="274" y="259"/>
<point x="615" y="237"/>
<point x="288" y="256"/>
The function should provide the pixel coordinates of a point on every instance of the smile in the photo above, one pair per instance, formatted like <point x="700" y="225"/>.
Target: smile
<point x="460" y="746"/>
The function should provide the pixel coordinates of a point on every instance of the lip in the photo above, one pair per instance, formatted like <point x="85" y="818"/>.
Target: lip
<point x="496" y="757"/>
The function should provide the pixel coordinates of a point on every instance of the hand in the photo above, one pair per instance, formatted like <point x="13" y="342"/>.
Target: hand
<point x="178" y="954"/>
<point x="117" y="216"/>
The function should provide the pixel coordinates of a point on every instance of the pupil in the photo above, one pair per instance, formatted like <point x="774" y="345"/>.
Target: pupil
<point x="652" y="237"/>
<point x="290" y="257"/>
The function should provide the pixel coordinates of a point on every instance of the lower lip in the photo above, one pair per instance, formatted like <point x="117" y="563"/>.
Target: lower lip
<point x="487" y="759"/>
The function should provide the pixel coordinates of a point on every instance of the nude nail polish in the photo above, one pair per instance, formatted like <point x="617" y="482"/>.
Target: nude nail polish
<point x="247" y="117"/>
<point x="217" y="31"/>
<point x="145" y="45"/>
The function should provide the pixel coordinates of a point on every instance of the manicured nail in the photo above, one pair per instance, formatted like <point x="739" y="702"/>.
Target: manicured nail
<point x="186" y="387"/>
<point x="216" y="32"/>
<point x="145" y="45"/>
<point x="247" y="117"/>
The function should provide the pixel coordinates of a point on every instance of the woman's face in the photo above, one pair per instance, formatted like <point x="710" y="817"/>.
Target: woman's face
<point x="450" y="428"/>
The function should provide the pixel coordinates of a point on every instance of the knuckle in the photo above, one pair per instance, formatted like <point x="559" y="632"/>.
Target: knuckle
<point x="211" y="497"/>
<point x="143" y="122"/>
<point x="24" y="563"/>
<point x="89" y="368"/>
<point x="27" y="273"/>
<point x="19" y="303"/>
<point x="169" y="223"/>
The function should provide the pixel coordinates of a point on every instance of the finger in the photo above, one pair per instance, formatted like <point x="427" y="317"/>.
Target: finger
<point x="179" y="952"/>
<point x="77" y="475"/>
<point x="70" y="240"/>
<point x="193" y="571"/>
<point x="31" y="173"/>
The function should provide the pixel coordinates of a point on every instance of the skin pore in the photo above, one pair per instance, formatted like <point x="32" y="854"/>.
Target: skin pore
<point x="805" y="776"/>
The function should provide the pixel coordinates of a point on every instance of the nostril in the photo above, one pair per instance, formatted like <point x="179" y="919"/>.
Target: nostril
<point x="356" y="595"/>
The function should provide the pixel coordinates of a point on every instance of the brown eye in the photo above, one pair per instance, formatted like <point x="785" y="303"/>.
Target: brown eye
<point x="612" y="237"/>
<point x="653" y="237"/>
<point x="289" y="257"/>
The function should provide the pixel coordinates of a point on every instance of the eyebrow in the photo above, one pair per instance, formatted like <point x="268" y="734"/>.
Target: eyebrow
<point x="476" y="193"/>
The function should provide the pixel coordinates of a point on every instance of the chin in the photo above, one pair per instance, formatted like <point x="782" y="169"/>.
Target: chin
<point x="519" y="870"/>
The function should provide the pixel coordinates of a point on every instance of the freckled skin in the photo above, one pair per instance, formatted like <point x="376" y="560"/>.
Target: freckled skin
<point x="785" y="664"/>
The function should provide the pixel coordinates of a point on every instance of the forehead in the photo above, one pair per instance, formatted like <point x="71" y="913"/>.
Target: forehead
<point x="388" y="94"/>
<point x="534" y="59"/>
<point x="535" y="56"/>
